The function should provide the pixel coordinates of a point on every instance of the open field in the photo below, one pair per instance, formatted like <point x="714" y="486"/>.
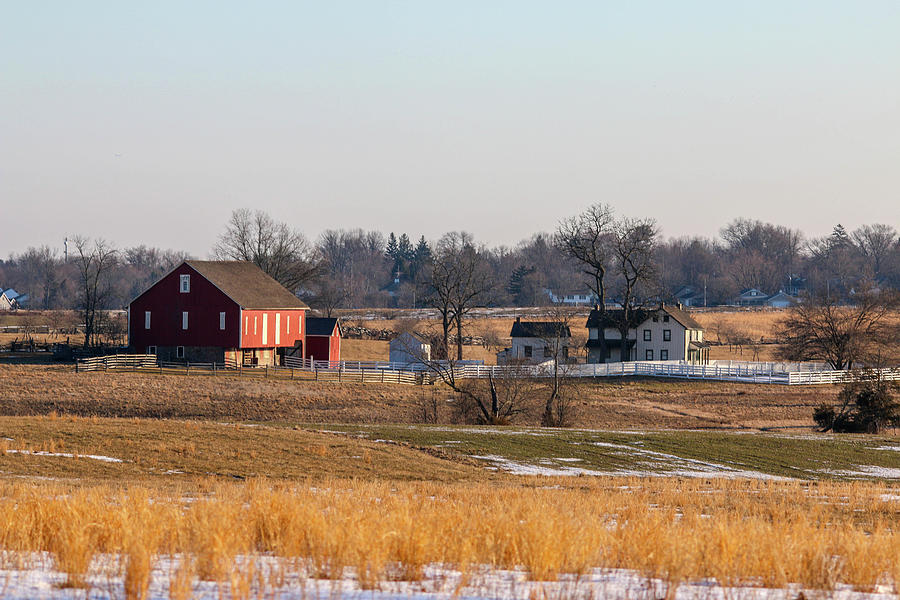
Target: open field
<point x="664" y="453"/>
<point x="590" y="538"/>
<point x="607" y="403"/>
<point x="166" y="452"/>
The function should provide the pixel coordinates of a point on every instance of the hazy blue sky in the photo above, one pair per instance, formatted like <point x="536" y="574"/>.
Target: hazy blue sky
<point x="148" y="122"/>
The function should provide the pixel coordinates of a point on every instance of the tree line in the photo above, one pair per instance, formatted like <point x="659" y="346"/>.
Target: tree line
<point x="619" y="259"/>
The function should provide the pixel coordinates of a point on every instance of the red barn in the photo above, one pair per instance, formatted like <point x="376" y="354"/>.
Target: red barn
<point x="323" y="339"/>
<point x="212" y="311"/>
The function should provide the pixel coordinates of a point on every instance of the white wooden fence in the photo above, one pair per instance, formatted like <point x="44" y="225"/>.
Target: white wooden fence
<point x="385" y="372"/>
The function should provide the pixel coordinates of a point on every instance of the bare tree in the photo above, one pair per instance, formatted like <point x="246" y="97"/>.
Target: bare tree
<point x="874" y="243"/>
<point x="282" y="252"/>
<point x="586" y="238"/>
<point x="96" y="262"/>
<point x="635" y="268"/>
<point x="460" y="280"/>
<point x="556" y="337"/>
<point x="819" y="328"/>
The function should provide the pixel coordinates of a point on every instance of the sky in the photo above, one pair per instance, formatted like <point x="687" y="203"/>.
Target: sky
<point x="149" y="122"/>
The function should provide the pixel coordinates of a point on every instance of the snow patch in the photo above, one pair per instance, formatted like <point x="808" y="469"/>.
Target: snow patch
<point x="99" y="457"/>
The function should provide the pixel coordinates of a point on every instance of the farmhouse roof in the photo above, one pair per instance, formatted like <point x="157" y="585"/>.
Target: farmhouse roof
<point x="539" y="329"/>
<point x="246" y="284"/>
<point x="610" y="318"/>
<point x="682" y="317"/>
<point x="321" y="326"/>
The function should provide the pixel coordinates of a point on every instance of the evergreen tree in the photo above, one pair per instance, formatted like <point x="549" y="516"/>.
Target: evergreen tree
<point x="405" y="248"/>
<point x="391" y="250"/>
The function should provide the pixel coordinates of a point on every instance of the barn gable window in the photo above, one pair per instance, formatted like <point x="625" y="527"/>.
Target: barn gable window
<point x="184" y="320"/>
<point x="146" y="319"/>
<point x="287" y="329"/>
<point x="222" y="321"/>
<point x="185" y="284"/>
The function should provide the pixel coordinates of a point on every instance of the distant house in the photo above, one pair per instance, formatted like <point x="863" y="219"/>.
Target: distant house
<point x="664" y="333"/>
<point x="780" y="300"/>
<point x="323" y="339"/>
<point x="534" y="342"/>
<point x="574" y="298"/>
<point x="13" y="300"/>
<point x="689" y="296"/>
<point x="751" y="297"/>
<point x="410" y="347"/>
<point x="213" y="311"/>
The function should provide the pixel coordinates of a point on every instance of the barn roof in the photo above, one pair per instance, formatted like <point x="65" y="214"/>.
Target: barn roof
<point x="321" y="326"/>
<point x="246" y="284"/>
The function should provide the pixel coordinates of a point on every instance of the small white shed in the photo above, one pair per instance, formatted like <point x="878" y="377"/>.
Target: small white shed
<point x="410" y="348"/>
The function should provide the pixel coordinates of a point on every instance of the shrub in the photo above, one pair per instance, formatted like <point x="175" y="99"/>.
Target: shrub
<point x="866" y="407"/>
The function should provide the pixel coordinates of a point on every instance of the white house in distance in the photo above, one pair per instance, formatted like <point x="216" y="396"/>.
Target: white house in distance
<point x="664" y="333"/>
<point x="534" y="342"/>
<point x="410" y="347"/>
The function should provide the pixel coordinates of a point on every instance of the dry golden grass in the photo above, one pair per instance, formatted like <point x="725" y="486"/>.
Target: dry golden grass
<point x="738" y="532"/>
<point x="613" y="403"/>
<point x="164" y="452"/>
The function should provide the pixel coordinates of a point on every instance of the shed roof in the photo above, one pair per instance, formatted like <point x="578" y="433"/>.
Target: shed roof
<point x="246" y="284"/>
<point x="539" y="329"/>
<point x="404" y="338"/>
<point x="321" y="326"/>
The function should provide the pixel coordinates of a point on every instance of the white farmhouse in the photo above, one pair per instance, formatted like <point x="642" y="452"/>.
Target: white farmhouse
<point x="664" y="333"/>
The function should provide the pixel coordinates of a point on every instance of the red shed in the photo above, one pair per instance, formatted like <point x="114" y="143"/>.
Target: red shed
<point x="323" y="339"/>
<point x="212" y="311"/>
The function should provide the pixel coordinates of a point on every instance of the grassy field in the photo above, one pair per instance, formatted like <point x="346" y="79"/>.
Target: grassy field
<point x="682" y="453"/>
<point x="608" y="404"/>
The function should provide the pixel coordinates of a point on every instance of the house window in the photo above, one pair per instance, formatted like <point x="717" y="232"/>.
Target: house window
<point x="648" y="335"/>
<point x="146" y="319"/>
<point x="222" y="321"/>
<point x="185" y="284"/>
<point x="151" y="349"/>
<point x="179" y="351"/>
<point x="184" y="320"/>
<point x="565" y="352"/>
<point x="656" y="319"/>
<point x="667" y="335"/>
<point x="663" y="355"/>
<point x="648" y="354"/>
<point x="527" y="351"/>
<point x="547" y="352"/>
<point x="665" y="318"/>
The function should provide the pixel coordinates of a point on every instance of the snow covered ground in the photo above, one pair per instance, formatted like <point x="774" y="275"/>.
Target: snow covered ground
<point x="279" y="579"/>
